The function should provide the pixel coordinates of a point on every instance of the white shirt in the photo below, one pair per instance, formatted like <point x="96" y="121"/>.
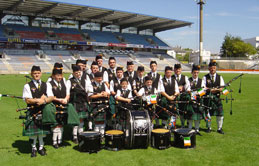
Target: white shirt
<point x="119" y="93"/>
<point x="162" y="88"/>
<point x="222" y="83"/>
<point x="202" y="82"/>
<point x="141" y="92"/>
<point x="113" y="70"/>
<point x="91" y="88"/>
<point x="154" y="74"/>
<point x="27" y="90"/>
<point x="65" y="82"/>
<point x="87" y="87"/>
<point x="187" y="86"/>
<point x="135" y="82"/>
<point x="119" y="80"/>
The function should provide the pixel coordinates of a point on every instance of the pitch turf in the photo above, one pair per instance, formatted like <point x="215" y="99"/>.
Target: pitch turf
<point x="239" y="145"/>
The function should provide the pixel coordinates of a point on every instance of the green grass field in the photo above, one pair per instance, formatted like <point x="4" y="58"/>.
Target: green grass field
<point x="239" y="145"/>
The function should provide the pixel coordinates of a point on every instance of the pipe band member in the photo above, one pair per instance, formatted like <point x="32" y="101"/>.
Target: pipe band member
<point x="100" y="99"/>
<point x="214" y="83"/>
<point x="169" y="91"/>
<point x="79" y="89"/>
<point x="184" y="86"/>
<point x="198" y="111"/>
<point x="124" y="98"/>
<point x="66" y="113"/>
<point x="38" y="95"/>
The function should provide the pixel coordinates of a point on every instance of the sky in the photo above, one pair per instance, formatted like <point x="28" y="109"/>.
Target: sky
<point x="235" y="17"/>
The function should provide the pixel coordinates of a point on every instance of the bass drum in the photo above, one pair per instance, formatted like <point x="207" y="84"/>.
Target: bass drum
<point x="137" y="129"/>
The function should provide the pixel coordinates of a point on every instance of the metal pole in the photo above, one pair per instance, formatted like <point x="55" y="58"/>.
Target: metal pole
<point x="201" y="3"/>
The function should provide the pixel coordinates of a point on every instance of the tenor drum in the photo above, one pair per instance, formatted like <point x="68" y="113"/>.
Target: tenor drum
<point x="114" y="140"/>
<point x="160" y="138"/>
<point x="90" y="141"/>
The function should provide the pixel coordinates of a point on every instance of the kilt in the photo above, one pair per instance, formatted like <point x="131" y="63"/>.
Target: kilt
<point x="186" y="109"/>
<point x="34" y="128"/>
<point x="49" y="114"/>
<point x="198" y="111"/>
<point x="84" y="110"/>
<point x="73" y="117"/>
<point x="216" y="106"/>
<point x="70" y="116"/>
<point x="99" y="116"/>
<point x="165" y="103"/>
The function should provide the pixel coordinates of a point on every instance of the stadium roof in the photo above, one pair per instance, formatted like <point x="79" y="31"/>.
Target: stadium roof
<point x="65" y="11"/>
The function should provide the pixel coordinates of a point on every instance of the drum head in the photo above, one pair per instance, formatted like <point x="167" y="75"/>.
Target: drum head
<point x="184" y="131"/>
<point x="160" y="131"/>
<point x="89" y="134"/>
<point x="114" y="132"/>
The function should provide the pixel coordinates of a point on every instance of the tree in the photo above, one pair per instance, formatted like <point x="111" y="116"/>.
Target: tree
<point x="236" y="47"/>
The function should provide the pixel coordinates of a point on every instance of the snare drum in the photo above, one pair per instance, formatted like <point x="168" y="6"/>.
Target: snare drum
<point x="160" y="138"/>
<point x="137" y="129"/>
<point x="114" y="140"/>
<point x="89" y="141"/>
<point x="184" y="138"/>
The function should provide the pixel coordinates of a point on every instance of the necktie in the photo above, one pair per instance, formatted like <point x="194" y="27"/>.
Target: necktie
<point x="59" y="86"/>
<point x="195" y="82"/>
<point x="177" y="78"/>
<point x="130" y="75"/>
<point x="38" y="84"/>
<point x="123" y="92"/>
<point x="212" y="78"/>
<point x="154" y="75"/>
<point x="169" y="82"/>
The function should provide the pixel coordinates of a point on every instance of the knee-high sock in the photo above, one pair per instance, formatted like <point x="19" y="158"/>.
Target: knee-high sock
<point x="55" y="135"/>
<point x="220" y="122"/>
<point x="60" y="134"/>
<point x="100" y="128"/>
<point x="33" y="141"/>
<point x="197" y="125"/>
<point x="81" y="127"/>
<point x="41" y="142"/>
<point x="90" y="125"/>
<point x="182" y="121"/>
<point x="190" y="124"/>
<point x="75" y="132"/>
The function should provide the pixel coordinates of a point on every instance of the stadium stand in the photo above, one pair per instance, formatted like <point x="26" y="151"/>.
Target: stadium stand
<point x="100" y="36"/>
<point x="23" y="46"/>
<point x="27" y="32"/>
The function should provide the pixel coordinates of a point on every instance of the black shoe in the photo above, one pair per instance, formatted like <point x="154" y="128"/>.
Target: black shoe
<point x="42" y="152"/>
<point x="33" y="153"/>
<point x="198" y="133"/>
<point x="60" y="145"/>
<point x="220" y="131"/>
<point x="75" y="140"/>
<point x="56" y="146"/>
<point x="208" y="130"/>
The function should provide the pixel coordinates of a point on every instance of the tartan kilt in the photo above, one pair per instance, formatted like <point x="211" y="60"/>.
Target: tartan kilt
<point x="84" y="114"/>
<point x="99" y="116"/>
<point x="32" y="129"/>
<point x="216" y="106"/>
<point x="198" y="111"/>
<point x="163" y="115"/>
